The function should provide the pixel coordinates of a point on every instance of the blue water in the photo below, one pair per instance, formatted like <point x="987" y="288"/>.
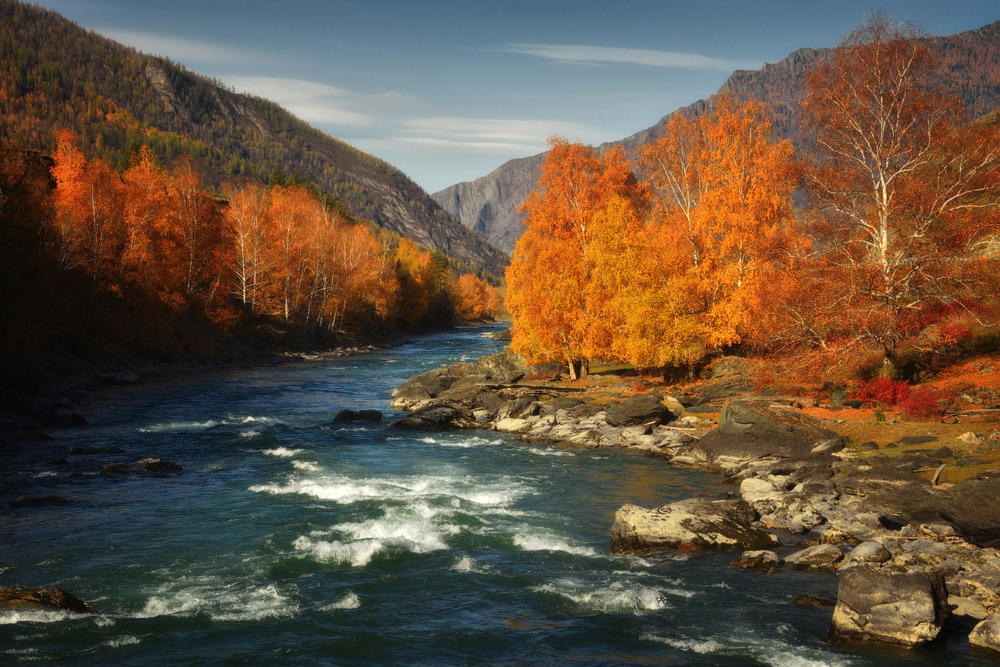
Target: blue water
<point x="287" y="540"/>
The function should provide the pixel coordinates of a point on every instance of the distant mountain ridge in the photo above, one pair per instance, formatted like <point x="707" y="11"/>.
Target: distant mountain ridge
<point x="970" y="66"/>
<point x="55" y="74"/>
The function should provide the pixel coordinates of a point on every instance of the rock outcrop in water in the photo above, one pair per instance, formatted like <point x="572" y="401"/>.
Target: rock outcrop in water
<point x="696" y="522"/>
<point x="42" y="598"/>
<point x="875" y="607"/>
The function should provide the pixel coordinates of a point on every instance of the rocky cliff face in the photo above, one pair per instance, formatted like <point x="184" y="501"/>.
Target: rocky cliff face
<point x="488" y="205"/>
<point x="970" y="65"/>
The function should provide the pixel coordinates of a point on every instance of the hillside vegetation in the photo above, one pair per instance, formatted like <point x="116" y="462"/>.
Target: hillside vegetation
<point x="55" y="75"/>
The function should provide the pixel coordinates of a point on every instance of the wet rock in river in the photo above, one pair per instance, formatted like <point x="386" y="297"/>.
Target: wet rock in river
<point x="757" y="559"/>
<point x="874" y="607"/>
<point x="436" y="417"/>
<point x="986" y="634"/>
<point x="699" y="522"/>
<point x="148" y="465"/>
<point x="42" y="598"/>
<point x="358" y="416"/>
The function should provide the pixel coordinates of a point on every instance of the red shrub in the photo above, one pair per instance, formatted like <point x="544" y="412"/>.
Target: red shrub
<point x="881" y="391"/>
<point x="923" y="403"/>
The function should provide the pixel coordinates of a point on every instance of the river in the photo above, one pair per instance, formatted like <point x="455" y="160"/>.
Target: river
<point x="288" y="540"/>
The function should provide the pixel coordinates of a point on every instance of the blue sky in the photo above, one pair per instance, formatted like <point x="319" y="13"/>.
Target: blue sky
<point x="447" y="90"/>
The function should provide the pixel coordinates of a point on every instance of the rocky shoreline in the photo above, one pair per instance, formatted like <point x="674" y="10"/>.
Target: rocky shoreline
<point x="915" y="560"/>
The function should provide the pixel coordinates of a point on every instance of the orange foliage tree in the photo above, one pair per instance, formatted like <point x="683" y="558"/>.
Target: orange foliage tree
<point x="721" y="229"/>
<point x="89" y="217"/>
<point x="475" y="299"/>
<point x="907" y="190"/>
<point x="555" y="313"/>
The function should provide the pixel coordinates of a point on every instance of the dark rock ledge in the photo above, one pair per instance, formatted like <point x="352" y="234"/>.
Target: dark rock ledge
<point x="42" y="599"/>
<point x="912" y="559"/>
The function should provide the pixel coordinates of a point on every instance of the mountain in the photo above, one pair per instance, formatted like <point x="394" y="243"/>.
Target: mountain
<point x="970" y="66"/>
<point x="55" y="74"/>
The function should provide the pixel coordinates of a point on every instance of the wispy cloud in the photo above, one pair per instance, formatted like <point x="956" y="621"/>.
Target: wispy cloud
<point x="495" y="136"/>
<point x="181" y="49"/>
<point x="583" y="54"/>
<point x="318" y="102"/>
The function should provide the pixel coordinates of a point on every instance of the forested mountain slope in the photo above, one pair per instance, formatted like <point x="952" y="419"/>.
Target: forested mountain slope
<point x="54" y="74"/>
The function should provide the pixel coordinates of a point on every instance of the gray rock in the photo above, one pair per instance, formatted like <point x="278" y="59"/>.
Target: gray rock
<point x="869" y="552"/>
<point x="42" y="598"/>
<point x="639" y="409"/>
<point x="756" y="430"/>
<point x="874" y="607"/>
<point x="759" y="559"/>
<point x="820" y="557"/>
<point x="972" y="507"/>
<point x="986" y="634"/>
<point x="898" y="497"/>
<point x="697" y="522"/>
<point x="436" y="417"/>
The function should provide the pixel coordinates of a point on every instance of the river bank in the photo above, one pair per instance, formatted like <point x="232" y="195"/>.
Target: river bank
<point x="867" y="511"/>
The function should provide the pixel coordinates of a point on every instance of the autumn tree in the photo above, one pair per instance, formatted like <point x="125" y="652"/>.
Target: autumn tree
<point x="199" y="227"/>
<point x="722" y="228"/>
<point x="555" y="316"/>
<point x="252" y="259"/>
<point x="293" y="210"/>
<point x="416" y="282"/>
<point x="475" y="299"/>
<point x="88" y="203"/>
<point x="906" y="189"/>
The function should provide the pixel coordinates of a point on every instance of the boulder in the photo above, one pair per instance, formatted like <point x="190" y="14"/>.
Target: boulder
<point x="972" y="508"/>
<point x="697" y="522"/>
<point x="986" y="634"/>
<point x="436" y="417"/>
<point x="903" y="610"/>
<point x="503" y="368"/>
<point x="869" y="552"/>
<point x="423" y="387"/>
<point x="639" y="409"/>
<point x="141" y="466"/>
<point x="42" y="598"/>
<point x="358" y="416"/>
<point x="758" y="559"/>
<point x="820" y="557"/>
<point x="756" y="430"/>
<point x="897" y="496"/>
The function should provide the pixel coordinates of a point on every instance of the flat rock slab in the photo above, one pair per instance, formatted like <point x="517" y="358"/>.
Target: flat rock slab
<point x="437" y="417"/>
<point x="874" y="607"/>
<point x="640" y="409"/>
<point x="696" y="522"/>
<point x="973" y="508"/>
<point x="757" y="429"/>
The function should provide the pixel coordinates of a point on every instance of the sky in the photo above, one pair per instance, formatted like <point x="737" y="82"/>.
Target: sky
<point x="448" y="90"/>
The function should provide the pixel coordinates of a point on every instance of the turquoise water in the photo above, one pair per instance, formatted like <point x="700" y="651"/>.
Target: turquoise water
<point x="288" y="540"/>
